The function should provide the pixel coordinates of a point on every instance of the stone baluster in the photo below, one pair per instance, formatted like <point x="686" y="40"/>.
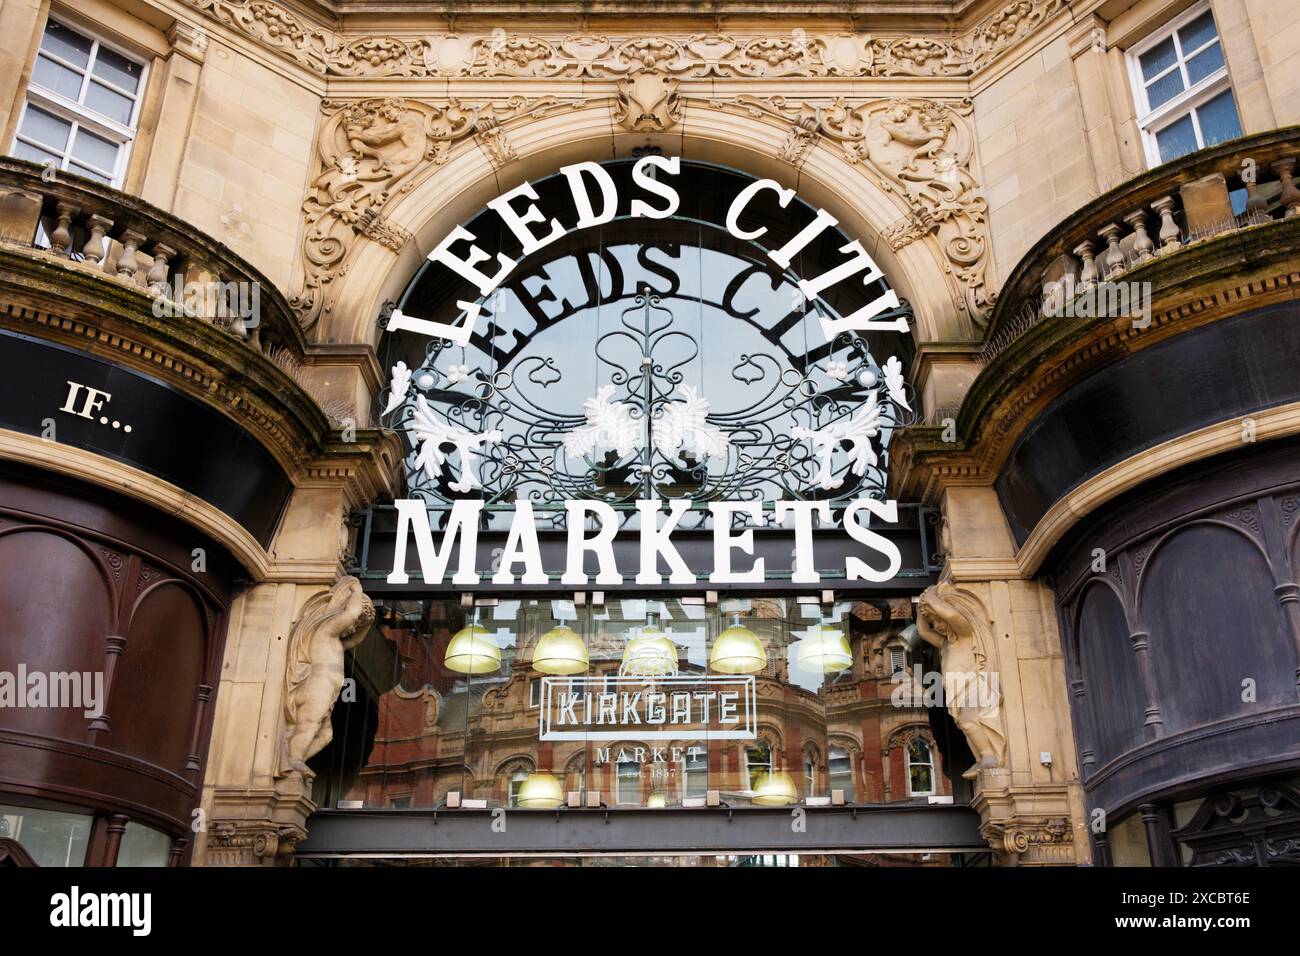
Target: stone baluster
<point x="1142" y="244"/>
<point x="1114" y="259"/>
<point x="94" y="250"/>
<point x="1256" y="205"/>
<point x="159" y="271"/>
<point x="1088" y="274"/>
<point x="1169" y="233"/>
<point x="127" y="263"/>
<point x="61" y="237"/>
<point x="1290" y="195"/>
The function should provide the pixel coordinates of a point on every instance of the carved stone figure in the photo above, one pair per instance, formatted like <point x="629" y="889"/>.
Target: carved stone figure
<point x="648" y="102"/>
<point x="332" y="622"/>
<point x="956" y="623"/>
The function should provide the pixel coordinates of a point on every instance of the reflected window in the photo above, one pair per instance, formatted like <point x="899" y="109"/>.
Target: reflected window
<point x="1181" y="88"/>
<point x="810" y="773"/>
<point x="628" y="782"/>
<point x="920" y="768"/>
<point x="897" y="660"/>
<point x="840" y="771"/>
<point x="695" y="773"/>
<point x="516" y="782"/>
<point x="758" y="761"/>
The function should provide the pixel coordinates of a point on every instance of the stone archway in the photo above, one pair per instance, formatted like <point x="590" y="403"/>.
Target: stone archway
<point x="398" y="174"/>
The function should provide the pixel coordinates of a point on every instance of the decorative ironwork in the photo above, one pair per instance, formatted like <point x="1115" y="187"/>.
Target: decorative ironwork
<point x="648" y="432"/>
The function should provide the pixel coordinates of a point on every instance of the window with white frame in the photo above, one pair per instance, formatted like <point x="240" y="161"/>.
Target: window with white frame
<point x="695" y="772"/>
<point x="1181" y="88"/>
<point x="897" y="659"/>
<point x="758" y="761"/>
<point x="517" y="779"/>
<point x="82" y="105"/>
<point x="628" y="781"/>
<point x="920" y="768"/>
<point x="839" y="772"/>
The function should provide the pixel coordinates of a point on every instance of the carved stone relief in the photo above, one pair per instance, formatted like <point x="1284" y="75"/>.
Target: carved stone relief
<point x="586" y="55"/>
<point x="368" y="151"/>
<point x="916" y="149"/>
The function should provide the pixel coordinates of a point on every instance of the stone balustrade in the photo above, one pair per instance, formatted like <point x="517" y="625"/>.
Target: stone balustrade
<point x="126" y="241"/>
<point x="1242" y="184"/>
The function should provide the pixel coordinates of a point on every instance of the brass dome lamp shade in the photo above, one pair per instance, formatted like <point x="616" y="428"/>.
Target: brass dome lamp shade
<point x="823" y="649"/>
<point x="561" y="650"/>
<point x="473" y="651"/>
<point x="737" y="650"/>
<point x="540" y="791"/>
<point x="775" y="789"/>
<point x="650" y="652"/>
<point x="656" y="801"/>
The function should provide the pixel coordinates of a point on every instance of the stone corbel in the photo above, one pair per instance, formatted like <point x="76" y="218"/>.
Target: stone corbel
<point x="1029" y="826"/>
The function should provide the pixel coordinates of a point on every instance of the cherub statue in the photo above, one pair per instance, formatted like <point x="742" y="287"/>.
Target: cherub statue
<point x="332" y="622"/>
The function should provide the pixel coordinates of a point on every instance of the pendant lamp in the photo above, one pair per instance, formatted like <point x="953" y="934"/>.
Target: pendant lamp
<point x="823" y="649"/>
<point x="775" y="789"/>
<point x="650" y="652"/>
<point x="540" y="791"/>
<point x="737" y="650"/>
<point x="473" y="651"/>
<point x="560" y="650"/>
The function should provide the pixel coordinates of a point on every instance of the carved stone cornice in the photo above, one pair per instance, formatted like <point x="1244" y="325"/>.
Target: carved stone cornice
<point x="683" y="54"/>
<point x="256" y="826"/>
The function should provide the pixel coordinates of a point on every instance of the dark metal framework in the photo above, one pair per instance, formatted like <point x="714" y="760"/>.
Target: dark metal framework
<point x="889" y="828"/>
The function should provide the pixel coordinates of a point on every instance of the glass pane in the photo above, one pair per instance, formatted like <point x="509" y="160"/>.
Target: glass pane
<point x="143" y="846"/>
<point x="117" y="69"/>
<point x="95" y="151"/>
<point x="1197" y="33"/>
<point x="113" y="105"/>
<point x="1165" y="88"/>
<point x="52" y="837"/>
<point x="1176" y="139"/>
<point x="56" y="78"/>
<point x="1219" y="119"/>
<point x="1157" y="59"/>
<point x="1204" y="63"/>
<point x="65" y="43"/>
<point x="27" y="151"/>
<point x="46" y="128"/>
<point x="89" y="173"/>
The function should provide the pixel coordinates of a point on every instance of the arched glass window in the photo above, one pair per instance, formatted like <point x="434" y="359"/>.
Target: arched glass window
<point x="649" y="358"/>
<point x="920" y="768"/>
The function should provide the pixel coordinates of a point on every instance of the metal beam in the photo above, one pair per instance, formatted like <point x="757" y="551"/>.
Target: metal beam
<point x="565" y="831"/>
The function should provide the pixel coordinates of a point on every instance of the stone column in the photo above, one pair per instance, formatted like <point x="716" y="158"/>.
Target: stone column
<point x="180" y="79"/>
<point x="1101" y="79"/>
<point x="999" y="628"/>
<point x="21" y="22"/>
